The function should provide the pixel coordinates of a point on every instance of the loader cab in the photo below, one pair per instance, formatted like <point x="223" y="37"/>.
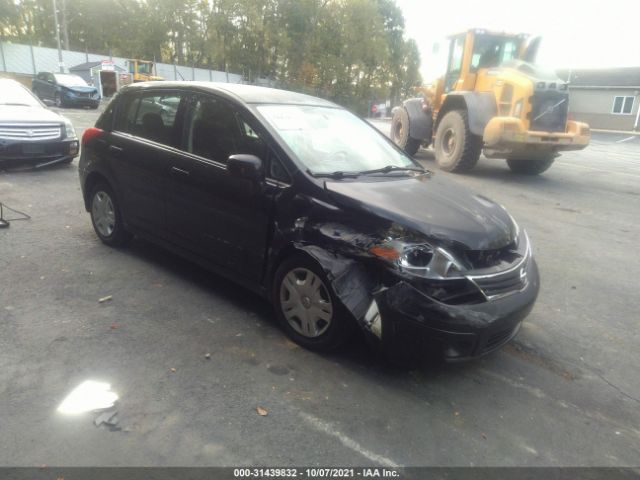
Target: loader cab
<point x="472" y="51"/>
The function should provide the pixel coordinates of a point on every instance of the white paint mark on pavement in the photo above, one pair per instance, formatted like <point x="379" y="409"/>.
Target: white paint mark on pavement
<point x="325" y="427"/>
<point x="626" y="139"/>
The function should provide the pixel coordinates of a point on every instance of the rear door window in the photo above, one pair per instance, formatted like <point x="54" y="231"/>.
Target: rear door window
<point x="152" y="116"/>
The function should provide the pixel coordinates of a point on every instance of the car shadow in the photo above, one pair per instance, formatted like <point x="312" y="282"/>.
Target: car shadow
<point x="356" y="354"/>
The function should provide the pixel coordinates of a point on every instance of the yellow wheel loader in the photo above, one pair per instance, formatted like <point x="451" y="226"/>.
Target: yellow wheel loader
<point x="492" y="98"/>
<point x="142" y="70"/>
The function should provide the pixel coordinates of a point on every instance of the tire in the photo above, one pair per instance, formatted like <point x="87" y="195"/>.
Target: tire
<point x="456" y="148"/>
<point x="57" y="101"/>
<point x="530" y="167"/>
<point x="332" y="328"/>
<point x="106" y="217"/>
<point x="400" y="132"/>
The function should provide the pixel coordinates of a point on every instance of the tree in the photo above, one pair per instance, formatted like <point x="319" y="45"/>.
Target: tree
<point x="353" y="52"/>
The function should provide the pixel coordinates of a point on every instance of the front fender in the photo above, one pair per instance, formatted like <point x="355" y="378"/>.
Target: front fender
<point x="480" y="106"/>
<point x="420" y="122"/>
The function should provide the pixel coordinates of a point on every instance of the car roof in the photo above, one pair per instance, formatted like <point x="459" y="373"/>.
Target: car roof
<point x="249" y="94"/>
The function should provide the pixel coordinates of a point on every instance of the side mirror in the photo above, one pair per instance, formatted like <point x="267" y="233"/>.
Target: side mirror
<point x="245" y="166"/>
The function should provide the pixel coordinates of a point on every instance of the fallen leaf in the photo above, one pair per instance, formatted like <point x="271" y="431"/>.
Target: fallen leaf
<point x="173" y="370"/>
<point x="105" y="299"/>
<point x="484" y="436"/>
<point x="207" y="356"/>
<point x="114" y="326"/>
<point x="262" y="411"/>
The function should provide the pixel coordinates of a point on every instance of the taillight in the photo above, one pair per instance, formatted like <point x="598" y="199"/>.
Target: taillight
<point x="90" y="133"/>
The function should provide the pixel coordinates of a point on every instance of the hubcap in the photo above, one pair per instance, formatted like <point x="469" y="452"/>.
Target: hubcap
<point x="305" y="302"/>
<point x="103" y="213"/>
<point x="449" y="141"/>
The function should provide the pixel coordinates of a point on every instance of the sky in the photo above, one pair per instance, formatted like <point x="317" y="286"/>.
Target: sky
<point x="575" y="33"/>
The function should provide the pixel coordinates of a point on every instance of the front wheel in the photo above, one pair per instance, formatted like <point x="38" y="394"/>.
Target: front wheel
<point x="57" y="101"/>
<point x="306" y="306"/>
<point x="106" y="217"/>
<point x="456" y="148"/>
<point x="400" y="132"/>
<point x="530" y="167"/>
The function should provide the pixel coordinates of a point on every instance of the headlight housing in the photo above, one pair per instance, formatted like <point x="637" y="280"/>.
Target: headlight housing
<point x="422" y="260"/>
<point x="69" y="131"/>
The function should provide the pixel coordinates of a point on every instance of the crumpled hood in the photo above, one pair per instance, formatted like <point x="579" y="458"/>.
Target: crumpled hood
<point x="432" y="205"/>
<point x="20" y="114"/>
<point x="80" y="89"/>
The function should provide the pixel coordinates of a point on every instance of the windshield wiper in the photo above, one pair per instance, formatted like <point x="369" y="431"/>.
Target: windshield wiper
<point x="393" y="168"/>
<point x="336" y="174"/>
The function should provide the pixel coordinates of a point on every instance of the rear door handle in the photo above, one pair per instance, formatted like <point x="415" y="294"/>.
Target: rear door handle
<point x="116" y="150"/>
<point x="180" y="171"/>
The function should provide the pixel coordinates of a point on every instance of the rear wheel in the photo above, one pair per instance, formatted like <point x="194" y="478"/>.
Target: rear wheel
<point x="400" y="132"/>
<point x="306" y="306"/>
<point x="530" y="167"/>
<point x="106" y="216"/>
<point x="457" y="149"/>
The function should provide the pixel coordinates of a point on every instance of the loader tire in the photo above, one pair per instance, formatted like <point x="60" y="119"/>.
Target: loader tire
<point x="400" y="132"/>
<point x="457" y="149"/>
<point x="530" y="167"/>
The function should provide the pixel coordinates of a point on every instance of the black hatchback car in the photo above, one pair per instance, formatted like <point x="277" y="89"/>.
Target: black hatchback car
<point x="308" y="205"/>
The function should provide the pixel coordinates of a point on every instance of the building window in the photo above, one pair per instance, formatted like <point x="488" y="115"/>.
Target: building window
<point x="623" y="105"/>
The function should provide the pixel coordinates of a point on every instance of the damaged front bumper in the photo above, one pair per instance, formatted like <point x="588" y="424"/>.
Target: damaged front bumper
<point x="405" y="319"/>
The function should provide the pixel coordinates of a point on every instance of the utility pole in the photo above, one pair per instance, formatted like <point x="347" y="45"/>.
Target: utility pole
<point x="55" y="16"/>
<point x="65" y="28"/>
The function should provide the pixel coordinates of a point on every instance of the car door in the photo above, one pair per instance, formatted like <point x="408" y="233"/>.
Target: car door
<point x="221" y="218"/>
<point x="49" y="86"/>
<point x="141" y="146"/>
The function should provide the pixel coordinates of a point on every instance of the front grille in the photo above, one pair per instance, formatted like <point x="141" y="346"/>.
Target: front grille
<point x="497" y="339"/>
<point x="501" y="284"/>
<point x="491" y="258"/>
<point x="549" y="111"/>
<point x="30" y="132"/>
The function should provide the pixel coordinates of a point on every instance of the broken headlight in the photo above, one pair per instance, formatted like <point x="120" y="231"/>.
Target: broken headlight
<point x="422" y="260"/>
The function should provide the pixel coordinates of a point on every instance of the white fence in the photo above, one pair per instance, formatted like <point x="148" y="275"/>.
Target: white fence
<point x="25" y="59"/>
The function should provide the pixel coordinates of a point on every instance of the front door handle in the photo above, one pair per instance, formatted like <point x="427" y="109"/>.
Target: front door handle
<point x="180" y="171"/>
<point x="116" y="150"/>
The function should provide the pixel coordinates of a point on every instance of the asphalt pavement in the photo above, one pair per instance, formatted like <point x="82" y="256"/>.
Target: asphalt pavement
<point x="566" y="392"/>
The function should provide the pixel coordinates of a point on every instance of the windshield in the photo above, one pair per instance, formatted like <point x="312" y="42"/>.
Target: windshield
<point x="12" y="93"/>
<point x="330" y="140"/>
<point x="144" y="68"/>
<point x="490" y="51"/>
<point x="70" y="80"/>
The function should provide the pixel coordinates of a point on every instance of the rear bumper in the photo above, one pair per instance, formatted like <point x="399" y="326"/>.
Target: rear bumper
<point x="507" y="137"/>
<point x="412" y="322"/>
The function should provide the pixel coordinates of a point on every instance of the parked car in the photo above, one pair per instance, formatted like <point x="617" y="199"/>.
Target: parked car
<point x="65" y="90"/>
<point x="299" y="200"/>
<point x="30" y="132"/>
